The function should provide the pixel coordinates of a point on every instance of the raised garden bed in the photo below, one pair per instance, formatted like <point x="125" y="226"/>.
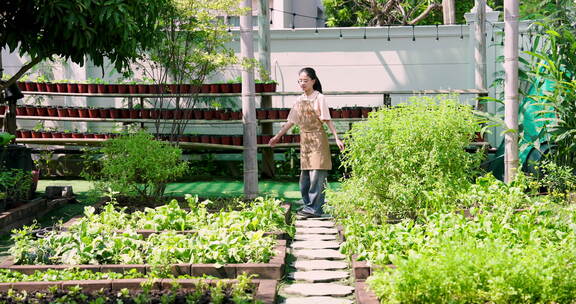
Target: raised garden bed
<point x="265" y="290"/>
<point x="364" y="295"/>
<point x="28" y="212"/>
<point x="273" y="270"/>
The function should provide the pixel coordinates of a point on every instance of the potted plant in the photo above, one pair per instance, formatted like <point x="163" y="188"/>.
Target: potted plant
<point x="84" y="112"/>
<point x="225" y="87"/>
<point x="259" y="86"/>
<point x="41" y="83"/>
<point x="27" y="84"/>
<point x="92" y="86"/>
<point x="214" y="88"/>
<point x="100" y="135"/>
<point x="37" y="130"/>
<point x="283" y="113"/>
<point x="194" y="138"/>
<point x="236" y="115"/>
<point x="225" y="114"/>
<point x="145" y="113"/>
<point x="208" y="114"/>
<point x="66" y="134"/>
<point x="121" y="87"/>
<point x="166" y="114"/>
<point x="260" y="114"/>
<point x="205" y="139"/>
<point x="334" y="113"/>
<point x="52" y="111"/>
<point x="101" y="86"/>
<point x="142" y="88"/>
<point x="205" y="88"/>
<point x="24" y="133"/>
<point x="198" y="113"/>
<point x="355" y="112"/>
<point x="271" y="113"/>
<point x="134" y="113"/>
<point x="21" y="111"/>
<point x="111" y="88"/>
<point x="61" y="86"/>
<point x="30" y="110"/>
<point x="73" y="112"/>
<point x="115" y="113"/>
<point x="124" y="113"/>
<point x="216" y="139"/>
<point x="270" y="86"/>
<point x="226" y="140"/>
<point x="93" y="112"/>
<point x="237" y="140"/>
<point x="46" y="134"/>
<point x="346" y="112"/>
<point x="77" y="135"/>
<point x="82" y="87"/>
<point x="236" y="85"/>
<point x="104" y="113"/>
<point x="41" y="111"/>
<point x="184" y="88"/>
<point x="56" y="134"/>
<point x="173" y="88"/>
<point x="72" y="86"/>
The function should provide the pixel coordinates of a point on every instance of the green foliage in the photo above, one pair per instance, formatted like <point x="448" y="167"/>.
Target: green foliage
<point x="559" y="181"/>
<point x="15" y="184"/>
<point x="137" y="165"/>
<point x="408" y="160"/>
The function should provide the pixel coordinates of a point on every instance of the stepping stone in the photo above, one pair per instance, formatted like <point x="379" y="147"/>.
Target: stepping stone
<point x="319" y="289"/>
<point x="320" y="265"/>
<point x="310" y="223"/>
<point x="315" y="245"/>
<point x="315" y="237"/>
<point x="302" y="230"/>
<point x="318" y="276"/>
<point x="317" y="300"/>
<point x="319" y="254"/>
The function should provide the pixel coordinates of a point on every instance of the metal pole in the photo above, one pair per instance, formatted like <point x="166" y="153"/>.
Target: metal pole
<point x="266" y="101"/>
<point x="248" y="100"/>
<point x="511" y="89"/>
<point x="449" y="11"/>
<point x="480" y="48"/>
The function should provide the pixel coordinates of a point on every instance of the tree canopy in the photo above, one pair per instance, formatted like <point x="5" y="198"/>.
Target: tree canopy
<point x="72" y="29"/>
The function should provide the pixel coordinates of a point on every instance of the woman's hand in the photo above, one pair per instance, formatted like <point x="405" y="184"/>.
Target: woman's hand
<point x="340" y="144"/>
<point x="273" y="141"/>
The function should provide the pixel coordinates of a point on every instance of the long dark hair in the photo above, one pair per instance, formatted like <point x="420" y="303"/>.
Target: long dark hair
<point x="312" y="74"/>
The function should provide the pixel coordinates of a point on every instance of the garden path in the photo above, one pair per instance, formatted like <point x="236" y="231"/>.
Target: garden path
<point x="319" y="274"/>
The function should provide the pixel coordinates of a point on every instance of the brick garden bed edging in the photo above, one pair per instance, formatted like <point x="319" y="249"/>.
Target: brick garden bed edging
<point x="364" y="295"/>
<point x="25" y="214"/>
<point x="265" y="290"/>
<point x="273" y="270"/>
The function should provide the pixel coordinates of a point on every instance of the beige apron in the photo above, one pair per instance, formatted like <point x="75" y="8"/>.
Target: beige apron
<point x="314" y="147"/>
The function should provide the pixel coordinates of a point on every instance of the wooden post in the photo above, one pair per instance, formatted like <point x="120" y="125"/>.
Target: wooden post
<point x="248" y="100"/>
<point x="266" y="101"/>
<point x="510" y="89"/>
<point x="480" y="49"/>
<point x="10" y="114"/>
<point x="448" y="11"/>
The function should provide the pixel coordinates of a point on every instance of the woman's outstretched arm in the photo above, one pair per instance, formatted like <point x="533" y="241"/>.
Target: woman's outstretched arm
<point x="335" y="134"/>
<point x="283" y="131"/>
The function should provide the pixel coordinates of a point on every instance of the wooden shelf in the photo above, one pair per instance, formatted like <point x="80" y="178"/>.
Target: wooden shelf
<point x="195" y="121"/>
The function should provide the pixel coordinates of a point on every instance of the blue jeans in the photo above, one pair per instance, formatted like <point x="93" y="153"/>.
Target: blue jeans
<point x="312" y="185"/>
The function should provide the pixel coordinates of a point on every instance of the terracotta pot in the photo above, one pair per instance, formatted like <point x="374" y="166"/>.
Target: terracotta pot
<point x="142" y="88"/>
<point x="83" y="113"/>
<point x="78" y="135"/>
<point x="173" y="88"/>
<point x="25" y="133"/>
<point x="153" y="89"/>
<point x="41" y="87"/>
<point x="194" y="138"/>
<point x="259" y="139"/>
<point x="184" y="138"/>
<point x="145" y="113"/>
<point x="92" y="88"/>
<point x="66" y="135"/>
<point x="184" y="88"/>
<point x="224" y="115"/>
<point x="205" y="88"/>
<point x="195" y="88"/>
<point x="167" y="114"/>
<point x="283" y="113"/>
<point x="216" y="139"/>
<point x="296" y="138"/>
<point x="214" y="88"/>
<point x="21" y="111"/>
<point x="272" y="114"/>
<point x="72" y="112"/>
<point x="355" y="112"/>
<point x="225" y="88"/>
<point x="121" y="88"/>
<point x="266" y="139"/>
<point x="259" y="87"/>
<point x="125" y="113"/>
<point x="21" y="85"/>
<point x="36" y="134"/>
<point x="154" y="113"/>
<point x="89" y="135"/>
<point x="30" y="86"/>
<point x="72" y="87"/>
<point x="104" y="113"/>
<point x="226" y="140"/>
<point x="260" y="114"/>
<point x="365" y="111"/>
<point x="50" y="87"/>
<point x="345" y="112"/>
<point x="41" y="111"/>
<point x="132" y="88"/>
<point x="52" y="111"/>
<point x="102" y="88"/>
<point x="208" y="114"/>
<point x="236" y="88"/>
<point x="56" y="134"/>
<point x="62" y="87"/>
<point x="198" y="114"/>
<point x="31" y="111"/>
<point x="288" y="138"/>
<point x="112" y="88"/>
<point x="188" y="114"/>
<point x="100" y="136"/>
<point x="134" y="113"/>
<point x="115" y="113"/>
<point x="236" y="115"/>
<point x="94" y="113"/>
<point x="237" y="140"/>
<point x="178" y="114"/>
<point x="205" y="139"/>
<point x="46" y="134"/>
<point x="335" y="113"/>
<point x="269" y="87"/>
<point x="82" y="88"/>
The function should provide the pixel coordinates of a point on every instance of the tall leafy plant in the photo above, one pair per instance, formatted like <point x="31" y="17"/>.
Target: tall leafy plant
<point x="409" y="159"/>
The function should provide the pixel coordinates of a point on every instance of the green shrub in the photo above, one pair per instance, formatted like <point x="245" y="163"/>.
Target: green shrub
<point x="409" y="159"/>
<point x="15" y="184"/>
<point x="139" y="166"/>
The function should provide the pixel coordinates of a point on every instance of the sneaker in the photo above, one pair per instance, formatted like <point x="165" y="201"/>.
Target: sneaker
<point x="304" y="215"/>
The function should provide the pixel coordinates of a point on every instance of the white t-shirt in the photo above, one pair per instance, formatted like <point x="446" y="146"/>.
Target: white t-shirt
<point x="320" y="107"/>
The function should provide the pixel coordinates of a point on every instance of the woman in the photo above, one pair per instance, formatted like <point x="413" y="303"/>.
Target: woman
<point x="310" y="112"/>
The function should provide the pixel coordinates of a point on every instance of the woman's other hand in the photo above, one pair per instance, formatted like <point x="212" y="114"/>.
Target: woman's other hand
<point x="273" y="141"/>
<point x="340" y="144"/>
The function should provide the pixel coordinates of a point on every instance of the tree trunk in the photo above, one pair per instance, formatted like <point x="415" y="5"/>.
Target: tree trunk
<point x="266" y="101"/>
<point x="511" y="89"/>
<point x="248" y="99"/>
<point x="480" y="48"/>
<point x="449" y="11"/>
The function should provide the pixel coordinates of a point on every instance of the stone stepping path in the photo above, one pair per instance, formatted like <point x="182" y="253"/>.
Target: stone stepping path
<point x="319" y="254"/>
<point x="321" y="273"/>
<point x="315" y="237"/>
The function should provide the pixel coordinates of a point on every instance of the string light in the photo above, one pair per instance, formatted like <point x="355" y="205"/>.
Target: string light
<point x="364" y="32"/>
<point x="437" y="37"/>
<point x="413" y="35"/>
<point x="316" y="30"/>
<point x="522" y="41"/>
<point x="388" y="33"/>
<point x="293" y="21"/>
<point x="341" y="37"/>
<point x="461" y="31"/>
<point x="492" y="38"/>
